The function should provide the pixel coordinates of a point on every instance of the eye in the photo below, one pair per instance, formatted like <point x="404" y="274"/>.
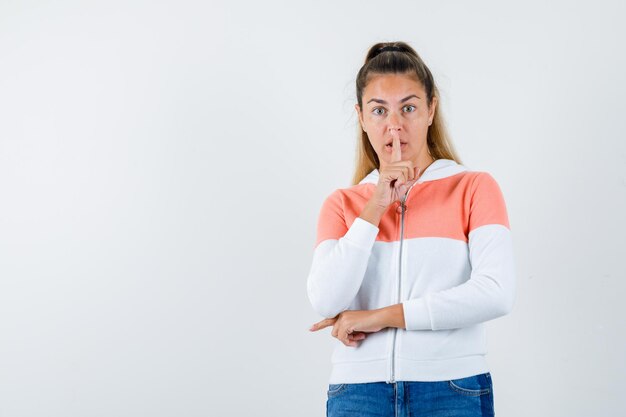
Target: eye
<point x="411" y="106"/>
<point x="378" y="108"/>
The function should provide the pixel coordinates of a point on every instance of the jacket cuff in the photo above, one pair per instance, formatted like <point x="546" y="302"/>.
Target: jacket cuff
<point x="417" y="314"/>
<point x="362" y="234"/>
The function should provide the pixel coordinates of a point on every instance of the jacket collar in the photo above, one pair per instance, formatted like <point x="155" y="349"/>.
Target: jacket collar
<point x="441" y="168"/>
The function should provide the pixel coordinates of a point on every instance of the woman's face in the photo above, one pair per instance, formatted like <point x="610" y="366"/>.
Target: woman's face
<point x="397" y="102"/>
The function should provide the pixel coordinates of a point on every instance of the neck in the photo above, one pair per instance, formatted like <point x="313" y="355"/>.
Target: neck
<point x="424" y="163"/>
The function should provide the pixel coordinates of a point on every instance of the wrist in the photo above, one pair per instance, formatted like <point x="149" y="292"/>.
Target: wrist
<point x="392" y="316"/>
<point x="372" y="212"/>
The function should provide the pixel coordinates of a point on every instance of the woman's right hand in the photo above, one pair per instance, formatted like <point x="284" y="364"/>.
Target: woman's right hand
<point x="395" y="178"/>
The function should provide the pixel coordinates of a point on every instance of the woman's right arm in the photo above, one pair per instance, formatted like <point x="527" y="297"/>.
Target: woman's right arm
<point x="341" y="256"/>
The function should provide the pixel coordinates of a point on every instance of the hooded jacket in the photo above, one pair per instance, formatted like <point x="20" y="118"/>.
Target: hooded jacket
<point x="445" y="253"/>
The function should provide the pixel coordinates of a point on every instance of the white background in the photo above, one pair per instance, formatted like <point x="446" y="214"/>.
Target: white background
<point x="162" y="165"/>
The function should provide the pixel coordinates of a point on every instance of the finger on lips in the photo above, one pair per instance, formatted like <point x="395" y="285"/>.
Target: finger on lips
<point x="396" y="152"/>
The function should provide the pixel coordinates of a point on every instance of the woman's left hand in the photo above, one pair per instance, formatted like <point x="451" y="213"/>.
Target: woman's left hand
<point x="351" y="326"/>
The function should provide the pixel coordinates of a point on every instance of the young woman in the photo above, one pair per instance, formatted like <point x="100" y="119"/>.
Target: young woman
<point x="412" y="259"/>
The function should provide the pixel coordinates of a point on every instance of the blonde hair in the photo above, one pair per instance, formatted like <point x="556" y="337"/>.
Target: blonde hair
<point x="402" y="59"/>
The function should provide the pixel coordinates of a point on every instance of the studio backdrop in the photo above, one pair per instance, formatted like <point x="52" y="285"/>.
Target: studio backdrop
<point x="163" y="165"/>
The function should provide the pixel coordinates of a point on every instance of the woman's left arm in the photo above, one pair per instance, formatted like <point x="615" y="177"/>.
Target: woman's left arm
<point x="489" y="292"/>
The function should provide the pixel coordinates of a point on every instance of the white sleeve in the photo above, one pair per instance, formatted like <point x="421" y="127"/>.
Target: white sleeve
<point x="490" y="290"/>
<point x="489" y="293"/>
<point x="340" y="259"/>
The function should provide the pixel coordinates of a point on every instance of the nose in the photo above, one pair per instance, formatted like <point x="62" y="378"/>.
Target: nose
<point x="393" y="128"/>
<point x="394" y="123"/>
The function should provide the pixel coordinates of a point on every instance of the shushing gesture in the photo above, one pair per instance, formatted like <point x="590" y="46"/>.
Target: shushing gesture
<point x="396" y="177"/>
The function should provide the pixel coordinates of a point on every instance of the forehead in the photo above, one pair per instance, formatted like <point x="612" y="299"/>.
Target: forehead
<point x="393" y="87"/>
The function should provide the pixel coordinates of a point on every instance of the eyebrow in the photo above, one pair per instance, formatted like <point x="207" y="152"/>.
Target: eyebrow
<point x="377" y="100"/>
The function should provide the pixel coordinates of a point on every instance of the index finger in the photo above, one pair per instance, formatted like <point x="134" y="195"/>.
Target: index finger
<point x="323" y="323"/>
<point x="396" y="152"/>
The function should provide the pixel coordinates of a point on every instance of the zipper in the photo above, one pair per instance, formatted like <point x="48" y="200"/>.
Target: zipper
<point x="399" y="297"/>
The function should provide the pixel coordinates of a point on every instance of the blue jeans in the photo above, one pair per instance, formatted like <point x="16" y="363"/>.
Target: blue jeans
<point x="465" y="397"/>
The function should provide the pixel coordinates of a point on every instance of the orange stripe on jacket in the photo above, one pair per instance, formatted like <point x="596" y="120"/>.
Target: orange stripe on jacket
<point x="449" y="207"/>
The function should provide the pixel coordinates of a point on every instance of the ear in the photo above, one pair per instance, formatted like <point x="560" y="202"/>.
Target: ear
<point x="431" y="111"/>
<point x="360" y="115"/>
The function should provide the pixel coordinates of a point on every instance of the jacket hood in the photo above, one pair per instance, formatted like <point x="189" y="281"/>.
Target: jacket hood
<point x="441" y="168"/>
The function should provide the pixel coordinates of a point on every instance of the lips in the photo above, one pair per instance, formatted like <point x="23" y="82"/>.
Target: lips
<point x="391" y="141"/>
